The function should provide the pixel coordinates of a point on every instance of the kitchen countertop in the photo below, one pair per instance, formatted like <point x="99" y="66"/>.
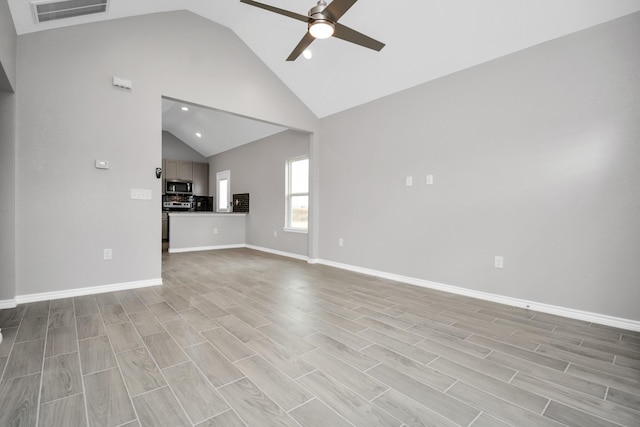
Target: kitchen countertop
<point x="206" y="214"/>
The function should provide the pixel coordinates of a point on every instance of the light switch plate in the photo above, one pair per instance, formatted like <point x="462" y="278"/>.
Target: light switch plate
<point x="140" y="194"/>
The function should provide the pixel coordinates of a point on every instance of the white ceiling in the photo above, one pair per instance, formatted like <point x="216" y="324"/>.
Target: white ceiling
<point x="219" y="131"/>
<point x="425" y="39"/>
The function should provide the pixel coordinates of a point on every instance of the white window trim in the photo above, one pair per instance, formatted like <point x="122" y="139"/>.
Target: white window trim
<point x="219" y="176"/>
<point x="288" y="196"/>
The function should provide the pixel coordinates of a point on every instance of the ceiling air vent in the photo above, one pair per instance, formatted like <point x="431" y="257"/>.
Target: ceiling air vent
<point x="52" y="10"/>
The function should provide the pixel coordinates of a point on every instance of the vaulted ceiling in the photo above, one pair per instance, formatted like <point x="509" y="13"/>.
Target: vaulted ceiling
<point x="425" y="39"/>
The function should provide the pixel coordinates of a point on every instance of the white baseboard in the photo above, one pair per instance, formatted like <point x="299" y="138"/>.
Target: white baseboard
<point x="602" y="319"/>
<point x="7" y="303"/>
<point x="45" y="296"/>
<point x="206" y="248"/>
<point x="276" y="252"/>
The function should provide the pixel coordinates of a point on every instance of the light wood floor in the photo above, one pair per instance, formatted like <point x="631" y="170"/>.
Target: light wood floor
<point x="239" y="338"/>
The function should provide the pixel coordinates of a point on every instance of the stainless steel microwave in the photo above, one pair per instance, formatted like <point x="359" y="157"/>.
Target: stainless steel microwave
<point x="177" y="186"/>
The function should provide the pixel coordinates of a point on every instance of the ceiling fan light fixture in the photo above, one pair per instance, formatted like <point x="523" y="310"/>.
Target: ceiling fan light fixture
<point x="321" y="29"/>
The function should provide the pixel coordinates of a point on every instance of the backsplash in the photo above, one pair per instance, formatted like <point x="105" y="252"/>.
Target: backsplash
<point x="241" y="202"/>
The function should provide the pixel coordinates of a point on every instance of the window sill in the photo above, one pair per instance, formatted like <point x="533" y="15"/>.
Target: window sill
<point x="295" y="230"/>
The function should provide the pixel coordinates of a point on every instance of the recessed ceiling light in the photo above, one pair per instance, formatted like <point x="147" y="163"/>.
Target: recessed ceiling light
<point x="307" y="54"/>
<point x="198" y="134"/>
<point x="185" y="108"/>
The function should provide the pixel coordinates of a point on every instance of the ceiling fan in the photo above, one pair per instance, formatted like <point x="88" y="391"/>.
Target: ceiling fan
<point x="322" y="23"/>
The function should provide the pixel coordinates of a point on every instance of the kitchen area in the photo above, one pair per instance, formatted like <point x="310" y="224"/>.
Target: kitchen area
<point x="189" y="218"/>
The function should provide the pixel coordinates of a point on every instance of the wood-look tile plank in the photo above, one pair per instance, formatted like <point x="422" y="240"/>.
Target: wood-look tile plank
<point x="198" y="320"/>
<point x="486" y="420"/>
<point x="248" y="316"/>
<point x="487" y="367"/>
<point x="588" y="362"/>
<point x="288" y="340"/>
<point x="32" y="328"/>
<point x="630" y="384"/>
<point x="501" y="409"/>
<point x="281" y="358"/>
<point x="345" y="402"/>
<point x="598" y="407"/>
<point x="62" y="317"/>
<point x="25" y="359"/>
<point x="19" y="397"/>
<point x="548" y="374"/>
<point x="183" y="333"/>
<point x="411" y="412"/>
<point x="210" y="309"/>
<point x="96" y="354"/>
<point x="435" y="400"/>
<point x="351" y="377"/>
<point x="148" y="295"/>
<point x="316" y="414"/>
<point x="164" y="312"/>
<point x="61" y="377"/>
<point x="65" y="412"/>
<point x="410" y="351"/>
<point x="114" y="313"/>
<point x="11" y="317"/>
<point x="8" y="338"/>
<point x="198" y="398"/>
<point x="226" y="419"/>
<point x="85" y="305"/>
<point x="340" y="322"/>
<point x="355" y="358"/>
<point x="253" y="406"/>
<point x="108" y="298"/>
<point x="573" y="417"/>
<point x="174" y="300"/>
<point x="440" y="340"/>
<point x="140" y="372"/>
<point x="213" y="364"/>
<point x="393" y="332"/>
<point x="61" y="340"/>
<point x="36" y="309"/>
<point x="132" y="304"/>
<point x="160" y="408"/>
<point x="540" y="359"/>
<point x="280" y="388"/>
<point x="123" y="337"/>
<point x="227" y="344"/>
<point x="355" y="341"/>
<point x="90" y="326"/>
<point x="630" y="400"/>
<point x="498" y="388"/>
<point x="146" y="323"/>
<point x="108" y="403"/>
<point x="241" y="330"/>
<point x="164" y="350"/>
<point x="416" y="370"/>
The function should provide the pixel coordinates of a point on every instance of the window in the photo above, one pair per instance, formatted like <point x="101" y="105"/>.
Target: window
<point x="297" y="194"/>
<point x="223" y="189"/>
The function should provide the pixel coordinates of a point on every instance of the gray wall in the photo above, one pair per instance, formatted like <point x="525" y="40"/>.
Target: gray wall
<point x="535" y="157"/>
<point x="175" y="149"/>
<point x="8" y="42"/>
<point x="259" y="169"/>
<point x="7" y="196"/>
<point x="69" y="115"/>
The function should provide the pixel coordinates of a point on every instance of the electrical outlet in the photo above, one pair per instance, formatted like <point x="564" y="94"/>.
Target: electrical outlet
<point x="429" y="179"/>
<point x="215" y="231"/>
<point x="275" y="233"/>
<point x="340" y="242"/>
<point x="408" y="181"/>
<point x="107" y="254"/>
<point x="498" y="262"/>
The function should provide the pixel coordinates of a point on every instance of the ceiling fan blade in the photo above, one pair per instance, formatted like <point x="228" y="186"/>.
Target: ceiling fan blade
<point x="304" y="43"/>
<point x="293" y="15"/>
<point x="337" y="8"/>
<point x="347" y="34"/>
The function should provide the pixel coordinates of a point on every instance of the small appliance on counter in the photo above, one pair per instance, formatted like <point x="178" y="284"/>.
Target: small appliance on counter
<point x="202" y="204"/>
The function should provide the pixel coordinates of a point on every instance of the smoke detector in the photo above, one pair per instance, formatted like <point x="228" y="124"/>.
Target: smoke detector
<point x="53" y="10"/>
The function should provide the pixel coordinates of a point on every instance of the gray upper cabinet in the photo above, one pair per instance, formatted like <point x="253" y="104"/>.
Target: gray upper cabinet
<point x="200" y="179"/>
<point x="189" y="171"/>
